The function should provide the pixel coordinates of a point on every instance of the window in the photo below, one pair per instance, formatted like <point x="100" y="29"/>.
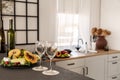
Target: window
<point x="26" y="19"/>
<point x="67" y="28"/>
<point x="73" y="22"/>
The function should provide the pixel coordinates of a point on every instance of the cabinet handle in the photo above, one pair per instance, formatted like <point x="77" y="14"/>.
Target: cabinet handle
<point x="114" y="63"/>
<point x="114" y="77"/>
<point x="86" y="70"/>
<point x="83" y="71"/>
<point x="71" y="64"/>
<point x="115" y="57"/>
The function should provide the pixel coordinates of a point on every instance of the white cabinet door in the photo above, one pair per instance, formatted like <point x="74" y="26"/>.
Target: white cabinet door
<point x="95" y="67"/>
<point x="113" y="68"/>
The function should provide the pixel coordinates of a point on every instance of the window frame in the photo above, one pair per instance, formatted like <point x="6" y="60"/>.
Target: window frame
<point x="26" y="16"/>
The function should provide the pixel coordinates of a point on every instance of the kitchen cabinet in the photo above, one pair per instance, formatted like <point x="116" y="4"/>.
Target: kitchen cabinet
<point x="94" y="67"/>
<point x="113" y="67"/>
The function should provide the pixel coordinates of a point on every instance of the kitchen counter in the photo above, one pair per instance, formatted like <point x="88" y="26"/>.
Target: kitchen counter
<point x="29" y="74"/>
<point x="78" y="55"/>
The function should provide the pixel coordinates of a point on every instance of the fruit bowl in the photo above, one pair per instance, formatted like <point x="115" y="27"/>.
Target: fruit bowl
<point x="19" y="58"/>
<point x="7" y="62"/>
<point x="63" y="54"/>
<point x="16" y="63"/>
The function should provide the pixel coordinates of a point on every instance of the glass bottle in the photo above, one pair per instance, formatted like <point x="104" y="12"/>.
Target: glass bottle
<point x="2" y="37"/>
<point x="10" y="36"/>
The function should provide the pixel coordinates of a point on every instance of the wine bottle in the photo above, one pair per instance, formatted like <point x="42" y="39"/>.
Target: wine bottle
<point x="10" y="36"/>
<point x="2" y="37"/>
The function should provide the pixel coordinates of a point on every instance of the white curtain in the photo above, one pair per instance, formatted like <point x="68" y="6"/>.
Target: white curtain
<point x="73" y="20"/>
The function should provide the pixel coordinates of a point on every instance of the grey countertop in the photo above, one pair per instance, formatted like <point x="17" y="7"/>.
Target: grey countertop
<point x="29" y="74"/>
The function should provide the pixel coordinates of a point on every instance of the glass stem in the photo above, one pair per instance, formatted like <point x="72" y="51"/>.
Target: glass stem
<point x="40" y="62"/>
<point x="50" y="64"/>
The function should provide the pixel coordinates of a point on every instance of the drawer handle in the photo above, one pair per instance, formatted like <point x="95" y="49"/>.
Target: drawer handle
<point x="115" y="57"/>
<point x="114" y="77"/>
<point x="83" y="71"/>
<point x="71" y="64"/>
<point x="86" y="70"/>
<point x="114" y="63"/>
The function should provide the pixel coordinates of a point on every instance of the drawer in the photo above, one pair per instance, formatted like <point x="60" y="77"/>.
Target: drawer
<point x="113" y="56"/>
<point x="115" y="77"/>
<point x="113" y="67"/>
<point x="71" y="63"/>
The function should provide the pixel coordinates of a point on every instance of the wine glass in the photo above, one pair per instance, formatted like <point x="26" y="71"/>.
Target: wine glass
<point x="40" y="48"/>
<point x="51" y="52"/>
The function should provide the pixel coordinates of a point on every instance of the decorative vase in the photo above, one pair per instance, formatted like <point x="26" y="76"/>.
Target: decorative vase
<point x="101" y="43"/>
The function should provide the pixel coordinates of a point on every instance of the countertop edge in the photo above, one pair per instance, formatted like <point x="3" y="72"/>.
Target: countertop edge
<point x="84" y="55"/>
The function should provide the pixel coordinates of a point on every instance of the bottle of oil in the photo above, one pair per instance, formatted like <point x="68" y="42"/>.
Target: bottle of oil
<point x="10" y="36"/>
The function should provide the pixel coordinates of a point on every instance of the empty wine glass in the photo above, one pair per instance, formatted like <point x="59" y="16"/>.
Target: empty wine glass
<point x="51" y="52"/>
<point x="40" y="48"/>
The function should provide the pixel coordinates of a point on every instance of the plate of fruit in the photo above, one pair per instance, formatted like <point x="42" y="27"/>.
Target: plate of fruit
<point x="19" y="58"/>
<point x="63" y="54"/>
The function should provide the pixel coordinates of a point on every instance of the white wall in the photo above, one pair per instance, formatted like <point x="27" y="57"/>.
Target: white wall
<point x="110" y="19"/>
<point x="95" y="13"/>
<point x="47" y="19"/>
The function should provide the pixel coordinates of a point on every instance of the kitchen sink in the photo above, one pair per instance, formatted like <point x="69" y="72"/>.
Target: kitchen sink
<point x="88" y="52"/>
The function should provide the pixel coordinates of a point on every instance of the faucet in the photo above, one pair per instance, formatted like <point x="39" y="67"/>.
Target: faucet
<point x="78" y="46"/>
